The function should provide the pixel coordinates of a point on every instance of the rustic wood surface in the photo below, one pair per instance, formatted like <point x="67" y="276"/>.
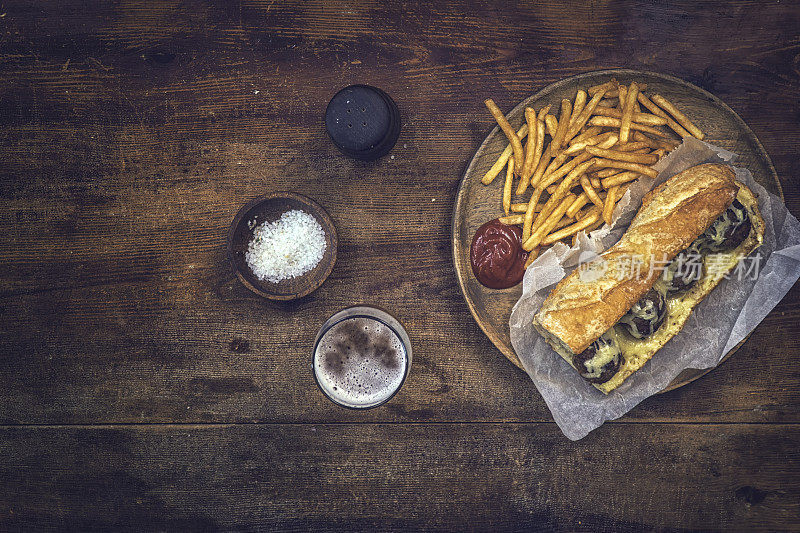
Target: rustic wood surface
<point x="145" y="388"/>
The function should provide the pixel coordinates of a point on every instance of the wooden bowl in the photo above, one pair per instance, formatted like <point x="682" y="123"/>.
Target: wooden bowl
<point x="269" y="208"/>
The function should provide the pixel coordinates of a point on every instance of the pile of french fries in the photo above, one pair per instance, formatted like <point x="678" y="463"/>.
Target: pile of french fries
<point x="598" y="145"/>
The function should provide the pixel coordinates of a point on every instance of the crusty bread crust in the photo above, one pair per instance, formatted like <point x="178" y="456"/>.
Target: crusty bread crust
<point x="678" y="316"/>
<point x="671" y="217"/>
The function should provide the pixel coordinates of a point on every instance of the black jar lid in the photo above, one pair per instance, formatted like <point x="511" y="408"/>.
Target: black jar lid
<point x="363" y="122"/>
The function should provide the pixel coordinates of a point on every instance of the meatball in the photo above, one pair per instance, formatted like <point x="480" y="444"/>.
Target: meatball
<point x="600" y="361"/>
<point x="684" y="271"/>
<point x="646" y="315"/>
<point x="729" y="230"/>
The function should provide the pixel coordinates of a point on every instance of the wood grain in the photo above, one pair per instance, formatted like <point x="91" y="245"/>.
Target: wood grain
<point x="399" y="477"/>
<point x="130" y="134"/>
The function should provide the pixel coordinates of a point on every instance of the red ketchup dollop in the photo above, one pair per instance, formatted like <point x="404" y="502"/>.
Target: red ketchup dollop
<point x="496" y="255"/>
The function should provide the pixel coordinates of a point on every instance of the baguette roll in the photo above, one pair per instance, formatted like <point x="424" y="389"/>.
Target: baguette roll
<point x="609" y="317"/>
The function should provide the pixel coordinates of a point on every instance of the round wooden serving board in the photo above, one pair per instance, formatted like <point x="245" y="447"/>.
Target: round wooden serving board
<point x="477" y="203"/>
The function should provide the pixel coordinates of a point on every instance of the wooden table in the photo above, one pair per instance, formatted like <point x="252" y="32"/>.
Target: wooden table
<point x="144" y="388"/>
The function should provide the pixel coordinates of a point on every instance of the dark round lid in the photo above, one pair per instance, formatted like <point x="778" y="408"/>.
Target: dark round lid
<point x="362" y="121"/>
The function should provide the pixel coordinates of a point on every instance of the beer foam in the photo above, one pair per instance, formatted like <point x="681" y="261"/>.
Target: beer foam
<point x="360" y="362"/>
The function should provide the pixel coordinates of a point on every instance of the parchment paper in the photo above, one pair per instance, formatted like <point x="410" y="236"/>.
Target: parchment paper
<point x="732" y="310"/>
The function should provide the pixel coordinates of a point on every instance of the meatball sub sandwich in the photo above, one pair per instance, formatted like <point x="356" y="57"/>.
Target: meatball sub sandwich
<point x="608" y="322"/>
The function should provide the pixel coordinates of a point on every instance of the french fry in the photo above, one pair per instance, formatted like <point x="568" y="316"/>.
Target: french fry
<point x="591" y="131"/>
<point x="537" y="155"/>
<point x="565" y="221"/>
<point x="563" y="124"/>
<point x="563" y="188"/>
<point x="641" y="118"/>
<point x="557" y="216"/>
<point x="560" y="191"/>
<point x="608" y="172"/>
<point x="580" y="103"/>
<point x="580" y="215"/>
<point x="609" y="142"/>
<point x="546" y="211"/>
<point x="584" y="115"/>
<point x="677" y="128"/>
<point x="591" y="141"/>
<point x="631" y="146"/>
<point x="585" y="212"/>
<point x="666" y="144"/>
<point x="616" y="123"/>
<point x="623" y="92"/>
<point x="648" y="119"/>
<point x="608" y="207"/>
<point x="512" y="220"/>
<point x="614" y="92"/>
<point x="552" y="125"/>
<point x="532" y="255"/>
<point x="590" y="192"/>
<point x="619" y="179"/>
<point x="541" y="167"/>
<point x="642" y="87"/>
<point x="643" y="159"/>
<point x="520" y="207"/>
<point x="573" y="229"/>
<point x="611" y="163"/>
<point x="682" y="119"/>
<point x="512" y="136"/>
<point x="562" y="223"/>
<point x="543" y="112"/>
<point x="597" y="224"/>
<point x="555" y="163"/>
<point x="507" y="186"/>
<point x="596" y="150"/>
<point x="552" y="188"/>
<point x="533" y="206"/>
<point x="576" y="206"/>
<point x="540" y="232"/>
<point x="530" y="149"/>
<point x="605" y="87"/>
<point x="563" y="170"/>
<point x="492" y="173"/>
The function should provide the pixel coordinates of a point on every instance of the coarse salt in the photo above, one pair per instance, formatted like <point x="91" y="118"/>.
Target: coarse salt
<point x="286" y="248"/>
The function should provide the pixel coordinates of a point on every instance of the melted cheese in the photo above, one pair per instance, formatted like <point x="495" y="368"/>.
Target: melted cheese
<point x="679" y="306"/>
<point x="605" y="354"/>
<point x="716" y="233"/>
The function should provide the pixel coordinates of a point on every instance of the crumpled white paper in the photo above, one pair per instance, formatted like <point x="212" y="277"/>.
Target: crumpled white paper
<point x="732" y="310"/>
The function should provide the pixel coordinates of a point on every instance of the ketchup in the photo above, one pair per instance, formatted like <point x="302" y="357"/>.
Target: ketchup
<point x="496" y="255"/>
